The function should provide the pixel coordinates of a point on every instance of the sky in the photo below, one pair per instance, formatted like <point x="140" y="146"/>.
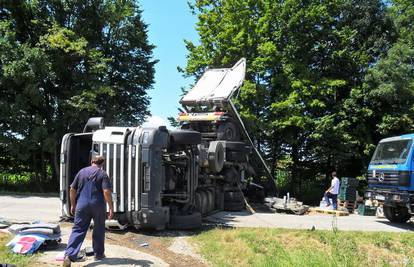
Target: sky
<point x="169" y="23"/>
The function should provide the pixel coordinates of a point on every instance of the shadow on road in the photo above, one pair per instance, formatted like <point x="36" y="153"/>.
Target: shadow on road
<point x="405" y="226"/>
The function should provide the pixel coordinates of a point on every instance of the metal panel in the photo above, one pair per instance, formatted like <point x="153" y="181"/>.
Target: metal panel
<point x="121" y="177"/>
<point x="129" y="176"/>
<point x="107" y="156"/>
<point x="101" y="150"/>
<point x="217" y="84"/>
<point x="114" y="178"/>
<point x="137" y="171"/>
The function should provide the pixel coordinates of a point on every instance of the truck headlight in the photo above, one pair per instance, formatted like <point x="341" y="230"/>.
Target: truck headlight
<point x="368" y="194"/>
<point x="396" y="197"/>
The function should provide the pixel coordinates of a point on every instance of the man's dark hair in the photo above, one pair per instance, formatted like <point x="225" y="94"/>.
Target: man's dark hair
<point x="98" y="160"/>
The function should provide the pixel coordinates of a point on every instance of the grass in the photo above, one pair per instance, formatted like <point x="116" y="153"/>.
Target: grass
<point x="281" y="247"/>
<point x="6" y="256"/>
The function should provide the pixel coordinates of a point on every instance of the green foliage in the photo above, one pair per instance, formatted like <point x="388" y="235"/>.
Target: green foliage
<point x="312" y="72"/>
<point x="62" y="62"/>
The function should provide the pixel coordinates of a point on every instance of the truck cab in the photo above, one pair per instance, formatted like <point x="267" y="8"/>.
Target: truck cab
<point x="390" y="177"/>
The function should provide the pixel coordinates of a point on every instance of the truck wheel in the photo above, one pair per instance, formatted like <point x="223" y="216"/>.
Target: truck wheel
<point x="233" y="196"/>
<point x="228" y="131"/>
<point x="210" y="194"/>
<point x="185" y="137"/>
<point x="215" y="156"/>
<point x="185" y="222"/>
<point x="236" y="156"/>
<point x="237" y="146"/>
<point x="198" y="202"/>
<point x="396" y="214"/>
<point x="204" y="202"/>
<point x="234" y="206"/>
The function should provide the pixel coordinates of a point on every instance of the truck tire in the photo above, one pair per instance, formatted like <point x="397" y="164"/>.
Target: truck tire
<point x="234" y="206"/>
<point x="233" y="196"/>
<point x="185" y="222"/>
<point x="396" y="214"/>
<point x="198" y="202"/>
<point x="236" y="156"/>
<point x="204" y="202"/>
<point x="185" y="137"/>
<point x="228" y="131"/>
<point x="237" y="146"/>
<point x="210" y="194"/>
<point x="215" y="156"/>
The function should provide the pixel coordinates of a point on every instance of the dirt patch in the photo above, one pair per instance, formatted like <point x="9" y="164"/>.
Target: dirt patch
<point x="380" y="255"/>
<point x="180" y="245"/>
<point x="157" y="244"/>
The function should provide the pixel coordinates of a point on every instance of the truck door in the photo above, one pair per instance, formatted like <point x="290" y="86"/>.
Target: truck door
<point x="75" y="154"/>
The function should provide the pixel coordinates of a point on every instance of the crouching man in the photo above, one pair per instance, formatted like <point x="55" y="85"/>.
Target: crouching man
<point x="90" y="191"/>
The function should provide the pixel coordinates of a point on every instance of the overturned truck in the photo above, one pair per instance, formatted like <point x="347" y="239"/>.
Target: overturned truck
<point x="171" y="178"/>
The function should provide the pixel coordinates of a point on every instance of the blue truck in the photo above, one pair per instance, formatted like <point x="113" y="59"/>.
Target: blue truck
<point x="391" y="177"/>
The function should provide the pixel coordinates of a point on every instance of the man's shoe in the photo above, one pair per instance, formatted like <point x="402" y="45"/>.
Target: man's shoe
<point x="99" y="257"/>
<point x="67" y="262"/>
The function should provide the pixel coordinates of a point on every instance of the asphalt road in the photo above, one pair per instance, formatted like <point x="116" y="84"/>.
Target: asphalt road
<point x="19" y="208"/>
<point x="47" y="209"/>
<point x="352" y="222"/>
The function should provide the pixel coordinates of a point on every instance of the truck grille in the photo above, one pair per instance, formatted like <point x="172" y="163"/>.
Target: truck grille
<point x="399" y="178"/>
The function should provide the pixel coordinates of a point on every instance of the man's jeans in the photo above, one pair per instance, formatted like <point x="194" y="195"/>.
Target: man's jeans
<point x="334" y="198"/>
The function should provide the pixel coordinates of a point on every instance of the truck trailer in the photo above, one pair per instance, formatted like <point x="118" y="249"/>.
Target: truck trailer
<point x="171" y="178"/>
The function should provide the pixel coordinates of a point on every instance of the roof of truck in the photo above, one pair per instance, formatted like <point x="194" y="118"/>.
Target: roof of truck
<point x="399" y="137"/>
<point x="216" y="85"/>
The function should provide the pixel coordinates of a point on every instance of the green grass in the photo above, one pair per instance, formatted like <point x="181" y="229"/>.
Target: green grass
<point x="6" y="256"/>
<point x="280" y="247"/>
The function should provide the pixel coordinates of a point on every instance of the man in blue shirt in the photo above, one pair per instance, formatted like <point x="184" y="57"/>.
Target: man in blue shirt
<point x="89" y="191"/>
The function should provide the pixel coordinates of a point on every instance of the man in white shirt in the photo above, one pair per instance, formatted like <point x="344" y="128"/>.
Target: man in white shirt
<point x="332" y="192"/>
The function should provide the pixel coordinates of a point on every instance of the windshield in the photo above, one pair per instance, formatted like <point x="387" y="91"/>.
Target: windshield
<point x="392" y="152"/>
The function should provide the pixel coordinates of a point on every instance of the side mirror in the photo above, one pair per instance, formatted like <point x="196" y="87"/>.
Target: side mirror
<point x="94" y="124"/>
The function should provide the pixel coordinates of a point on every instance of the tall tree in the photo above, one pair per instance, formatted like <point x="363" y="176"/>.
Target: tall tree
<point x="389" y="85"/>
<point x="304" y="59"/>
<point x="64" y="61"/>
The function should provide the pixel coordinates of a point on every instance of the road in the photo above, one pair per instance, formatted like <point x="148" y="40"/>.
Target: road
<point x="47" y="209"/>
<point x="19" y="208"/>
<point x="352" y="222"/>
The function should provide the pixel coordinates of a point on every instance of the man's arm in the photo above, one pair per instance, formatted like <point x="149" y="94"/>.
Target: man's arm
<point x="108" y="199"/>
<point x="72" y="197"/>
<point x="329" y="189"/>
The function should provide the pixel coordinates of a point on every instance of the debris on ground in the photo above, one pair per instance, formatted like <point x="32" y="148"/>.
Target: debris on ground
<point x="144" y="245"/>
<point x="329" y="211"/>
<point x="31" y="237"/>
<point x="286" y="204"/>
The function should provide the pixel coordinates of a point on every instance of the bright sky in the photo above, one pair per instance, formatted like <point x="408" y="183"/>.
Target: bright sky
<point x="169" y="23"/>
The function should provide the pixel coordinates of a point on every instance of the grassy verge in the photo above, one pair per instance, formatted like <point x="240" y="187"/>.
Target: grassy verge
<point x="280" y="247"/>
<point x="6" y="256"/>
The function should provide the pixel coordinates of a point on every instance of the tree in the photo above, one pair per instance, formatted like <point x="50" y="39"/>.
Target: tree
<point x="62" y="62"/>
<point x="389" y="85"/>
<point x="304" y="60"/>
